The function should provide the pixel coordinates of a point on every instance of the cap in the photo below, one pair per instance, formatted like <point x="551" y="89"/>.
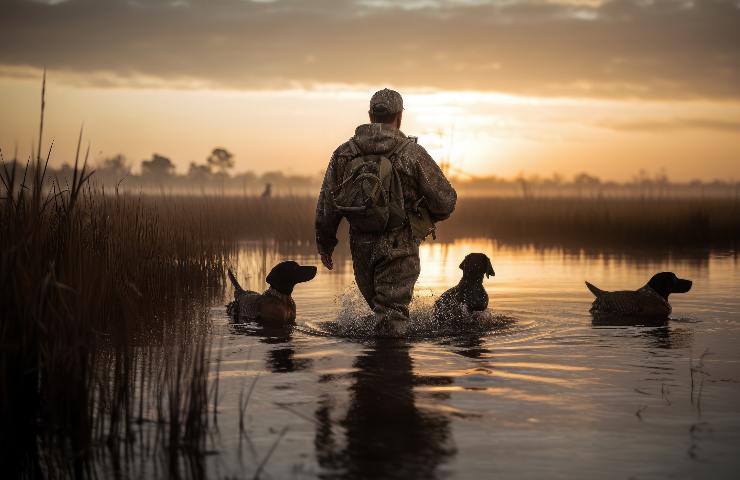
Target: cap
<point x="386" y="101"/>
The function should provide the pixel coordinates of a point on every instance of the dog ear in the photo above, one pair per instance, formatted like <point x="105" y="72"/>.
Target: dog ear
<point x="274" y="277"/>
<point x="663" y="283"/>
<point x="490" y="272"/>
<point x="280" y="275"/>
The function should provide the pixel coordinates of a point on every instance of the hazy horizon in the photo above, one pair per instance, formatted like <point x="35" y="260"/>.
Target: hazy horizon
<point x="498" y="88"/>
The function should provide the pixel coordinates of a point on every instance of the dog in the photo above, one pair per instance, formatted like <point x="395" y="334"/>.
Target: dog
<point x="275" y="306"/>
<point x="468" y="296"/>
<point x="650" y="300"/>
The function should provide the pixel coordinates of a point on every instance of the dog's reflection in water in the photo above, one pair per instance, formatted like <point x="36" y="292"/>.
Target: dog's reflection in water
<point x="387" y="434"/>
<point x="657" y="330"/>
<point x="280" y="358"/>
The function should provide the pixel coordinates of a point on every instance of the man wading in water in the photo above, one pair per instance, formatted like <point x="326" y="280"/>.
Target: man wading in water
<point x="391" y="192"/>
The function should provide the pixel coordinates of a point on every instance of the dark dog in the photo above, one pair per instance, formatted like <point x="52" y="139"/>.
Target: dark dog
<point x="650" y="300"/>
<point x="469" y="295"/>
<point x="275" y="305"/>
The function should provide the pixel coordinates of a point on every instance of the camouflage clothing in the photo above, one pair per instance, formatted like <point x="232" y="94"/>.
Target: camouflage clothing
<point x="386" y="101"/>
<point x="386" y="269"/>
<point x="387" y="264"/>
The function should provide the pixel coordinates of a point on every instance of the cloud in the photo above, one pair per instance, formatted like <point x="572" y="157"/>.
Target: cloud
<point x="620" y="48"/>
<point x="673" y="125"/>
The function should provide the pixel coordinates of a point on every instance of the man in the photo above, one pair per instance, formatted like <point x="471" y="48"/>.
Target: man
<point x="386" y="263"/>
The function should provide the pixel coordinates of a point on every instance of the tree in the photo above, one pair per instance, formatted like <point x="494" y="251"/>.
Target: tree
<point x="114" y="169"/>
<point x="221" y="159"/>
<point x="158" y="167"/>
<point x="199" y="172"/>
<point x="585" y="181"/>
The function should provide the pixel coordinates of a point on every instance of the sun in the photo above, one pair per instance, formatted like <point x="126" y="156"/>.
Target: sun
<point x="469" y="134"/>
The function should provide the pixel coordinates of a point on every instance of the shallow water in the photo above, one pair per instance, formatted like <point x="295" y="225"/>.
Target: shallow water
<point x="543" y="390"/>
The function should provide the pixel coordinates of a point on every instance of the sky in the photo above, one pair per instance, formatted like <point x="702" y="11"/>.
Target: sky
<point x="496" y="87"/>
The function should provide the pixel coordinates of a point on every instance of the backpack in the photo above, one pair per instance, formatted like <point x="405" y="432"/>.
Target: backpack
<point x="371" y="194"/>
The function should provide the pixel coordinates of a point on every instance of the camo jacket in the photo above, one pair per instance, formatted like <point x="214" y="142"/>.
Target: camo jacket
<point x="420" y="177"/>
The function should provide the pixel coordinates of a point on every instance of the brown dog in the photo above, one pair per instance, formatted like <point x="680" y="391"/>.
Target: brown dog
<point x="275" y="305"/>
<point x="468" y="296"/>
<point x="650" y="300"/>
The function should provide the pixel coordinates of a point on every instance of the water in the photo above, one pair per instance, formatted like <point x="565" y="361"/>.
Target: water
<point x="546" y="392"/>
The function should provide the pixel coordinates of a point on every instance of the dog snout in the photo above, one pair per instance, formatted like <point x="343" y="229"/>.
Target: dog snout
<point x="683" y="285"/>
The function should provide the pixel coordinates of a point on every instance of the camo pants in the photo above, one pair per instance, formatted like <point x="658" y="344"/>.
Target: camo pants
<point x="386" y="269"/>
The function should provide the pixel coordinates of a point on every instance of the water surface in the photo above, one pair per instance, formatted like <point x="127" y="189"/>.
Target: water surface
<point x="549" y="392"/>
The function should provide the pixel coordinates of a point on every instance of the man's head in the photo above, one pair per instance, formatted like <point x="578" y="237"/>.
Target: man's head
<point x="386" y="106"/>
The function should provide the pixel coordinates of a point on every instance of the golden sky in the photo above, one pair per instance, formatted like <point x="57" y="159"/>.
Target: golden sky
<point x="499" y="87"/>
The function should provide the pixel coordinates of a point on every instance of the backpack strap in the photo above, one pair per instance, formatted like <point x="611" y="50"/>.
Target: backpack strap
<point x="354" y="149"/>
<point x="400" y="146"/>
<point x="385" y="168"/>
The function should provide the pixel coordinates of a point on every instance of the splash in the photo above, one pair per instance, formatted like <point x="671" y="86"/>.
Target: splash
<point x="355" y="319"/>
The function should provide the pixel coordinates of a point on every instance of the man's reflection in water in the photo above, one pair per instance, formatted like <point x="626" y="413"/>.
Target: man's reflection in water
<point x="387" y="436"/>
<point x="281" y="357"/>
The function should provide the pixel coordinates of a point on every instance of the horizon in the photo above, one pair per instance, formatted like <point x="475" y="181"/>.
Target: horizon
<point x="607" y="88"/>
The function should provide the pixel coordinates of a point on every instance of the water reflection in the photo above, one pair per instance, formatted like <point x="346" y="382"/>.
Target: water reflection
<point x="660" y="332"/>
<point x="553" y="379"/>
<point x="387" y="434"/>
<point x="281" y="357"/>
<point x="265" y="253"/>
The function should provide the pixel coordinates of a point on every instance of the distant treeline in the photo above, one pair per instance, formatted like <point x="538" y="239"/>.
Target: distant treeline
<point x="620" y="223"/>
<point x="215" y="176"/>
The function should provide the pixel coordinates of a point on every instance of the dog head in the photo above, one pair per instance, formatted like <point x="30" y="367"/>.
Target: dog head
<point x="666" y="283"/>
<point x="285" y="275"/>
<point x="476" y="265"/>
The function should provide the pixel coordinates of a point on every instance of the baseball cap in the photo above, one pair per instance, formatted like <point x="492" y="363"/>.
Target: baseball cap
<point x="386" y="101"/>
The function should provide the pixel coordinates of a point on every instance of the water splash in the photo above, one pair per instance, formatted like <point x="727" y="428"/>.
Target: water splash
<point x="355" y="320"/>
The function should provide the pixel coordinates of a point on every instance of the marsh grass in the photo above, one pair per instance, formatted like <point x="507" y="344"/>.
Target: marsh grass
<point x="657" y="222"/>
<point x="104" y="339"/>
<point x="105" y="355"/>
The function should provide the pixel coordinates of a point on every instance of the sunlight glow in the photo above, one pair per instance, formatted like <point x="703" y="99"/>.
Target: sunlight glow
<point x="469" y="133"/>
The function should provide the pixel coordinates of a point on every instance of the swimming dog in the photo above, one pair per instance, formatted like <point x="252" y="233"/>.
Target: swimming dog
<point x="650" y="300"/>
<point x="275" y="305"/>
<point x="468" y="296"/>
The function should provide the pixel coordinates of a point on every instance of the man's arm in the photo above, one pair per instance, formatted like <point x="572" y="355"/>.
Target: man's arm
<point x="327" y="218"/>
<point x="440" y="197"/>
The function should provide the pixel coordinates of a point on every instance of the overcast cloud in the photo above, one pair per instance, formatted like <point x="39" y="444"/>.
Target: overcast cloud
<point x="645" y="49"/>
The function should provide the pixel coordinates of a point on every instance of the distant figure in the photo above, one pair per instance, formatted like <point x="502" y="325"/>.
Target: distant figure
<point x="391" y="192"/>
<point x="267" y="193"/>
<point x="650" y="300"/>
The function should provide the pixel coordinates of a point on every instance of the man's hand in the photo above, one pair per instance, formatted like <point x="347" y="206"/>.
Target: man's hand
<point x="327" y="261"/>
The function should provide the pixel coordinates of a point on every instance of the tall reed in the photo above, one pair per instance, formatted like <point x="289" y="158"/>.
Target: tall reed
<point x="661" y="223"/>
<point x="104" y="350"/>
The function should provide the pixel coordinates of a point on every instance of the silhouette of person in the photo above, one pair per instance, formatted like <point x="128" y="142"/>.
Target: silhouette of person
<point x="385" y="259"/>
<point x="267" y="193"/>
<point x="387" y="436"/>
